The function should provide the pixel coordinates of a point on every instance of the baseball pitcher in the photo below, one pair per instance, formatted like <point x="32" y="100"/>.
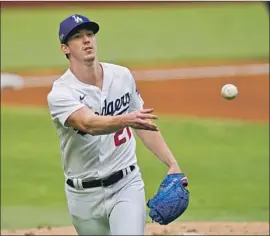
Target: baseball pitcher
<point x="96" y="108"/>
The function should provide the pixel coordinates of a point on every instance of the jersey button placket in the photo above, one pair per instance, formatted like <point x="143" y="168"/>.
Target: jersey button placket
<point x="102" y="137"/>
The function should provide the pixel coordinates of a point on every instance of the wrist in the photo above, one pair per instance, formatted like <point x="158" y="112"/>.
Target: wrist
<point x="173" y="164"/>
<point x="122" y="121"/>
<point x="174" y="168"/>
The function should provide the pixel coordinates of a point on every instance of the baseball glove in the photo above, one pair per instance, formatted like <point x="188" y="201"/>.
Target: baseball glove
<point x="171" y="200"/>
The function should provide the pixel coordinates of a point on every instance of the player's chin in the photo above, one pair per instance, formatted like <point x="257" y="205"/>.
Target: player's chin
<point x="89" y="57"/>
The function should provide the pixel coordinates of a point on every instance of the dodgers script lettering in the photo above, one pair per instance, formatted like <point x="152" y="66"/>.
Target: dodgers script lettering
<point x="117" y="107"/>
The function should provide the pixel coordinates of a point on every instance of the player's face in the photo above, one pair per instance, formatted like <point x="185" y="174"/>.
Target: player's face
<point x="81" y="46"/>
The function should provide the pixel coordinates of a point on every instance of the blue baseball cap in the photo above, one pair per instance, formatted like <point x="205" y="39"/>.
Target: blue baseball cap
<point x="74" y="22"/>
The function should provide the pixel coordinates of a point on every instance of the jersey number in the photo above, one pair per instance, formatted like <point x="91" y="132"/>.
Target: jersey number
<point x="120" y="140"/>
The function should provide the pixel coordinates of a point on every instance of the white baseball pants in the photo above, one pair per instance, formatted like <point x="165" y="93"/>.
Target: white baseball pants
<point x="118" y="209"/>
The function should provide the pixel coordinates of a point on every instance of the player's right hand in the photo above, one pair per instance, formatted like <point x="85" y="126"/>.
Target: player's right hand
<point x="141" y="119"/>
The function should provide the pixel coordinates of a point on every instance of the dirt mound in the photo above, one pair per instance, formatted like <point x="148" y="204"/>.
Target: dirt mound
<point x="187" y="228"/>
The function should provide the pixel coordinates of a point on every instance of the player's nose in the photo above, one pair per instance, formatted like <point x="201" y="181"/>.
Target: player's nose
<point x="86" y="38"/>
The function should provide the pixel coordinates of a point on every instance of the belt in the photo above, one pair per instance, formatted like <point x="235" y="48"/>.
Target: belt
<point x="112" y="179"/>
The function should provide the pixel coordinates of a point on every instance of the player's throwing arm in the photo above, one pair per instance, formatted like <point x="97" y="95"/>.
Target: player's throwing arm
<point x="85" y="120"/>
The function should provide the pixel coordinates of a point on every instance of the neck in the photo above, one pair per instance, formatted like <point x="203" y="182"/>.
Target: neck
<point x="87" y="73"/>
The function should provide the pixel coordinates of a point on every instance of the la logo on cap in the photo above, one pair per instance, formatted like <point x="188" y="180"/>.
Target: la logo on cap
<point x="77" y="19"/>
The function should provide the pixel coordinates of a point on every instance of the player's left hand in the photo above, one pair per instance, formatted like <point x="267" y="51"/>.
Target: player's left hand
<point x="171" y="200"/>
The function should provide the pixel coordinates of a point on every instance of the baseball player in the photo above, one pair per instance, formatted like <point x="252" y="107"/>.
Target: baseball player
<point x="96" y="109"/>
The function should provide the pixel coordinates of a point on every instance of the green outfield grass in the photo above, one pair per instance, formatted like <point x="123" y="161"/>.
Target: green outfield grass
<point x="154" y="35"/>
<point x="226" y="162"/>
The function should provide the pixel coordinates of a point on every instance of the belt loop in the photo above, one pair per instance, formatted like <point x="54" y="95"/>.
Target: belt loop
<point x="80" y="185"/>
<point x="77" y="183"/>
<point x="124" y="172"/>
<point x="128" y="170"/>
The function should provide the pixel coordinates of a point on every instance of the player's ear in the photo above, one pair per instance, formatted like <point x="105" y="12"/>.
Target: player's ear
<point x="65" y="48"/>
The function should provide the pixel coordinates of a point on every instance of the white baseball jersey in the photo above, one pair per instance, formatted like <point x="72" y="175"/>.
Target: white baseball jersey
<point x="83" y="155"/>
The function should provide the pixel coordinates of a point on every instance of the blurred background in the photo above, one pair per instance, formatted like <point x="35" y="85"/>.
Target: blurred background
<point x="180" y="53"/>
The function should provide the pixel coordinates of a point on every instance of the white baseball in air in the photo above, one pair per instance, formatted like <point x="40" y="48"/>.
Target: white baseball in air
<point x="229" y="91"/>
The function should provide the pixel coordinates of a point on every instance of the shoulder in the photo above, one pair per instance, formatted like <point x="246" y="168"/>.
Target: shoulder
<point x="121" y="73"/>
<point x="60" y="88"/>
<point x="118" y="69"/>
<point x="59" y="92"/>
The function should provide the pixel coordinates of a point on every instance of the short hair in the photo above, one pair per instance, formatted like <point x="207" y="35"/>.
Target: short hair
<point x="67" y="55"/>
